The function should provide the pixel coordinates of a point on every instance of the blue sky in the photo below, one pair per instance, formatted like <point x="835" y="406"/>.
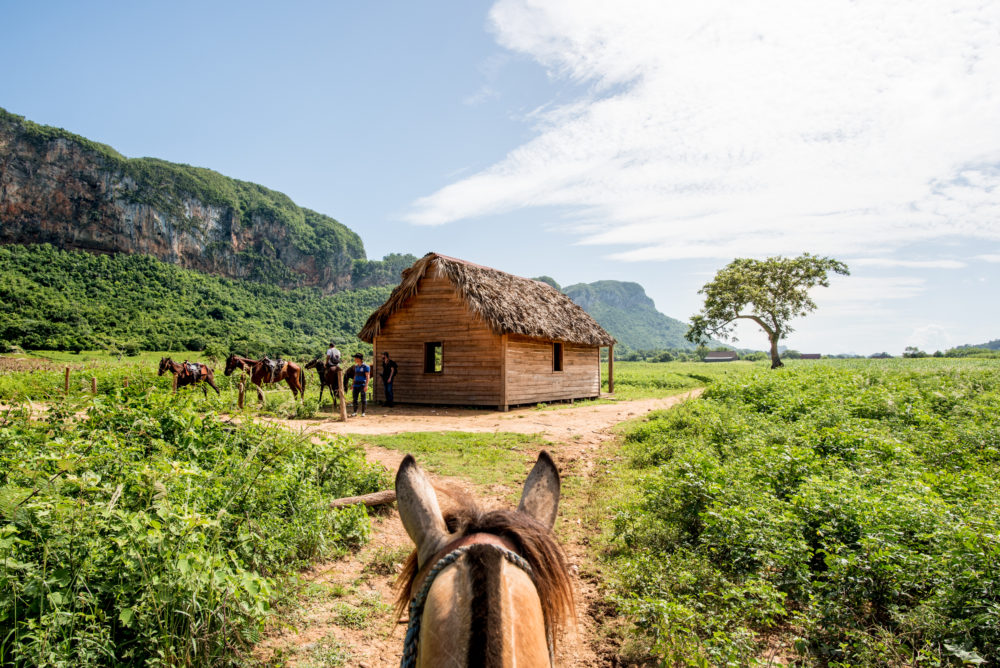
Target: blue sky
<point x="649" y="141"/>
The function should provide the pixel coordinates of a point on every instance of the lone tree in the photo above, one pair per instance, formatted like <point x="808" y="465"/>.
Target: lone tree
<point x="769" y="292"/>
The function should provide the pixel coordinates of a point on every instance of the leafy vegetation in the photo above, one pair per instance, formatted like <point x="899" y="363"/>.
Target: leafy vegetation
<point x="64" y="300"/>
<point x="846" y="513"/>
<point x="147" y="532"/>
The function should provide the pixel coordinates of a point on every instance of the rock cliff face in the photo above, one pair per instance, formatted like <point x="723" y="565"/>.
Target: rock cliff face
<point x="58" y="188"/>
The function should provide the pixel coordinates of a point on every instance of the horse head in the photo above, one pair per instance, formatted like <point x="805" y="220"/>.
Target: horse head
<point x="483" y="588"/>
<point x="314" y="363"/>
<point x="165" y="363"/>
<point x="232" y="363"/>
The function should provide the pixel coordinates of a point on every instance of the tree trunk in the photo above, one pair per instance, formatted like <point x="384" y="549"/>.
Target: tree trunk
<point x="775" y="360"/>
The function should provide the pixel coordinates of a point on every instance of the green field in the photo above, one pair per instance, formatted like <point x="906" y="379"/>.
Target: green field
<point x="643" y="380"/>
<point x="829" y="513"/>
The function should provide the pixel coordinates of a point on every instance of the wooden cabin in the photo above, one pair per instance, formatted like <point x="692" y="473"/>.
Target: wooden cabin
<point x="464" y="334"/>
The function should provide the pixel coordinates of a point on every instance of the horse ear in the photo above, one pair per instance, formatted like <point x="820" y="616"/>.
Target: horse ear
<point x="540" y="498"/>
<point x="419" y="510"/>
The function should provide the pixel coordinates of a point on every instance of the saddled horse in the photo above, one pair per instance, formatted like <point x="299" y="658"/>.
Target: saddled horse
<point x="327" y="376"/>
<point x="189" y="373"/>
<point x="483" y="588"/>
<point x="260" y="373"/>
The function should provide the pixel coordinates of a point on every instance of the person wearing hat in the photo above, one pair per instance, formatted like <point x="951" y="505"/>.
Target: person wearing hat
<point x="362" y="373"/>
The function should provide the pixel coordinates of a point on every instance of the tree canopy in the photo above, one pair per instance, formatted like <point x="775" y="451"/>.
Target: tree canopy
<point x="769" y="292"/>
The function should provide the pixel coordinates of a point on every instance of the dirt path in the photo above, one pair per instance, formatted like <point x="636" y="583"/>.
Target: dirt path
<point x="345" y="616"/>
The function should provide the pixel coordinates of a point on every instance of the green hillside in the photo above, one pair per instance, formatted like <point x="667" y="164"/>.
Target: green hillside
<point x="71" y="300"/>
<point x="624" y="310"/>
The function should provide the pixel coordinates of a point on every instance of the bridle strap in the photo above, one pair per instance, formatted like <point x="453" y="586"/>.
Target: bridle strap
<point x="409" y="658"/>
<point x="461" y="541"/>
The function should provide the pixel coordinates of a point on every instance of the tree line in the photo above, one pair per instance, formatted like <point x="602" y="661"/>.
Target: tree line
<point x="51" y="299"/>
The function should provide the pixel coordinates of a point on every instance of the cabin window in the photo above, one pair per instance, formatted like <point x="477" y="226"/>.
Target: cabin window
<point x="557" y="357"/>
<point x="433" y="357"/>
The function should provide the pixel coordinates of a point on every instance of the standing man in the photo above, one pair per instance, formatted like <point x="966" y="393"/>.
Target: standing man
<point x="389" y="369"/>
<point x="362" y="372"/>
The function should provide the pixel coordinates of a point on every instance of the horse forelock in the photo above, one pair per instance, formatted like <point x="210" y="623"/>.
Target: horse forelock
<point x="530" y="539"/>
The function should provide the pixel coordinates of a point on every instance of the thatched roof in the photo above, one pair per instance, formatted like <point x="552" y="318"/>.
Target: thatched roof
<point x="508" y="304"/>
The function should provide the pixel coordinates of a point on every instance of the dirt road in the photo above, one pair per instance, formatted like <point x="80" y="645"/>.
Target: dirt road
<point x="345" y="616"/>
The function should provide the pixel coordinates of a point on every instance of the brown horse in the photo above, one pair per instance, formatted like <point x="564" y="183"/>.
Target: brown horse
<point x="189" y="373"/>
<point x="259" y="373"/>
<point x="483" y="588"/>
<point x="327" y="376"/>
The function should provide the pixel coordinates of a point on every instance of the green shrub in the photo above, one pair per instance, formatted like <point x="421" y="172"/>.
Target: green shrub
<point x="850" y="508"/>
<point x="147" y="532"/>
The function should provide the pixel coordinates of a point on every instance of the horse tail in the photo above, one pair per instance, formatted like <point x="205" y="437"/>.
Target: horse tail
<point x="302" y="381"/>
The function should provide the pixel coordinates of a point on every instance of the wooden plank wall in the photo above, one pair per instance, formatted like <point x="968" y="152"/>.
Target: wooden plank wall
<point x="471" y="351"/>
<point x="530" y="378"/>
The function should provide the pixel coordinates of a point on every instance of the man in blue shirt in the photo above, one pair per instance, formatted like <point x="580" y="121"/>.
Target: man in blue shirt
<point x="362" y="372"/>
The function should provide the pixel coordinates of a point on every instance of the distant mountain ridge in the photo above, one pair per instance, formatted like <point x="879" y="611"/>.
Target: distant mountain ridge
<point x="628" y="314"/>
<point x="60" y="188"/>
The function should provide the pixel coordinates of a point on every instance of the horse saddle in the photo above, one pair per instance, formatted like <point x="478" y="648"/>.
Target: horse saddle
<point x="274" y="367"/>
<point x="193" y="369"/>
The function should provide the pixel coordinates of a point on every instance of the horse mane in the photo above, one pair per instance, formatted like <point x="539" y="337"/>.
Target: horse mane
<point x="531" y="539"/>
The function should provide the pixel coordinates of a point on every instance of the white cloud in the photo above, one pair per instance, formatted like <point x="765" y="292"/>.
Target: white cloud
<point x="988" y="258"/>
<point x="930" y="338"/>
<point x="912" y="264"/>
<point x="719" y="129"/>
<point x="868" y="289"/>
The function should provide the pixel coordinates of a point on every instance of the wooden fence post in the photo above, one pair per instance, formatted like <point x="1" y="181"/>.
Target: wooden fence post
<point x="125" y="383"/>
<point x="66" y="384"/>
<point x="93" y="385"/>
<point x="242" y="388"/>
<point x="611" y="369"/>
<point x="340" y="395"/>
<point x="176" y="376"/>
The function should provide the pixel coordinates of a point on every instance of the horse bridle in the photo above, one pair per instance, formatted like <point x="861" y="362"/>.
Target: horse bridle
<point x="445" y="557"/>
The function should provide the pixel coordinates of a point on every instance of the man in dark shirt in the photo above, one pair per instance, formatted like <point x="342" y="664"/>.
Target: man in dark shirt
<point x="362" y="372"/>
<point x="389" y="369"/>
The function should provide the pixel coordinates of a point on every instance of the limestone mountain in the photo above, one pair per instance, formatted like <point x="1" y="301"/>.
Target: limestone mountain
<point x="624" y="310"/>
<point x="76" y="194"/>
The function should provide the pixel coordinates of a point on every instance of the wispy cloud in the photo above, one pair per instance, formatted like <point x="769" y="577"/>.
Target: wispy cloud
<point x="988" y="258"/>
<point x="911" y="264"/>
<point x="716" y="129"/>
<point x="484" y="93"/>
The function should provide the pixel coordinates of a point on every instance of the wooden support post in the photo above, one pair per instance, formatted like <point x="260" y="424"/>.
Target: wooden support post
<point x="340" y="394"/>
<point x="125" y="383"/>
<point x="66" y="383"/>
<point x="176" y="376"/>
<point x="370" y="500"/>
<point x="93" y="385"/>
<point x="611" y="369"/>
<point x="242" y="393"/>
<point x="504" y="406"/>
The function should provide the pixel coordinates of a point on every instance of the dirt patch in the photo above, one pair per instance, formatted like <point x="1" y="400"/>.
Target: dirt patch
<point x="22" y="364"/>
<point x="347" y="607"/>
